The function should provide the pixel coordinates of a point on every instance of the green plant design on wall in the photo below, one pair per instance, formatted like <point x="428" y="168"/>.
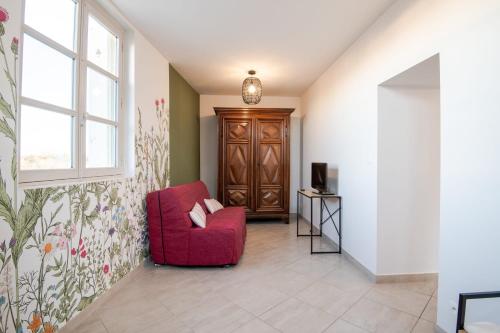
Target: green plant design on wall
<point x="62" y="247"/>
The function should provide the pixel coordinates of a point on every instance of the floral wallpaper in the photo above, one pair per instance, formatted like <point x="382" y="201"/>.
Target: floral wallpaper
<point x="61" y="247"/>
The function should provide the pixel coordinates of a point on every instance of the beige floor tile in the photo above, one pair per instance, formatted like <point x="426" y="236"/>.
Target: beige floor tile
<point x="375" y="317"/>
<point x="166" y="326"/>
<point x="286" y="281"/>
<point x="312" y="267"/>
<point x="424" y="326"/>
<point x="345" y="276"/>
<point x="297" y="316"/>
<point x="215" y="315"/>
<point x="329" y="298"/>
<point x="122" y="319"/>
<point x="341" y="326"/>
<point x="183" y="299"/>
<point x="223" y="277"/>
<point x="256" y="326"/>
<point x="95" y="326"/>
<point x="402" y="300"/>
<point x="430" y="312"/>
<point x="253" y="297"/>
<point x="130" y="293"/>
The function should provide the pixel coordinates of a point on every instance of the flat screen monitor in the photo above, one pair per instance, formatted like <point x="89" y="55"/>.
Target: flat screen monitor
<point x="319" y="176"/>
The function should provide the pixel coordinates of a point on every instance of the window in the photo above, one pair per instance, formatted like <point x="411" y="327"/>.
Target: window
<point x="71" y="118"/>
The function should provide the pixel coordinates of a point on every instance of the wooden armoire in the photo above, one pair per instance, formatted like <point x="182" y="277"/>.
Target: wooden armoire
<point x="254" y="160"/>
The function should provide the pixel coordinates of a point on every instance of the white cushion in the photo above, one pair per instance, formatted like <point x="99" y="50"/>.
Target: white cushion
<point x="197" y="215"/>
<point x="213" y="205"/>
<point x="482" y="327"/>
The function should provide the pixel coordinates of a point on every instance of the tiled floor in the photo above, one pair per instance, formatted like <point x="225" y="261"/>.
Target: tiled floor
<point x="277" y="287"/>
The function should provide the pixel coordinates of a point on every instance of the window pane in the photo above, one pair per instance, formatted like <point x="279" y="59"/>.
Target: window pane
<point x="102" y="47"/>
<point x="47" y="74"/>
<point x="46" y="139"/>
<point x="54" y="18"/>
<point x="101" y="145"/>
<point x="101" y="95"/>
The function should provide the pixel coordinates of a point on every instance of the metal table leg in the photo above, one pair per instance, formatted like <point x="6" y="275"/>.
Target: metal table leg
<point x="340" y="224"/>
<point x="321" y="203"/>
<point x="311" y="225"/>
<point x="297" y="209"/>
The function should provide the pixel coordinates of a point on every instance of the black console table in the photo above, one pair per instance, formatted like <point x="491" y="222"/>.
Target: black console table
<point x="331" y="215"/>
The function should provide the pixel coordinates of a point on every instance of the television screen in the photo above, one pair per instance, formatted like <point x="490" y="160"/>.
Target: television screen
<point x="319" y="176"/>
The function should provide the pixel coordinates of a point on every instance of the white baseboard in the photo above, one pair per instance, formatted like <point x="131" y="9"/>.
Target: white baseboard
<point x="438" y="329"/>
<point x="418" y="277"/>
<point x="391" y="278"/>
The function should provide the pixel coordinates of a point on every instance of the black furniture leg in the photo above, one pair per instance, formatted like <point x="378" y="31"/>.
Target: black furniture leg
<point x="340" y="225"/>
<point x="298" y="213"/>
<point x="311" y="224"/>
<point x="321" y="217"/>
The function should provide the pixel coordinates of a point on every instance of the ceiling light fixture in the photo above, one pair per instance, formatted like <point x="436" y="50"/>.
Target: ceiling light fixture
<point x="251" y="90"/>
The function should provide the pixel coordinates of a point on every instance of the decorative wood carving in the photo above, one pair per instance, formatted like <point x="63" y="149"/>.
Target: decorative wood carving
<point x="271" y="164"/>
<point x="254" y="166"/>
<point x="238" y="130"/>
<point x="270" y="198"/>
<point x="271" y="130"/>
<point x="237" y="164"/>
<point x="237" y="198"/>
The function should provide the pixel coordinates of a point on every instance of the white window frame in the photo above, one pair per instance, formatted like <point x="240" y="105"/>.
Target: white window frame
<point x="85" y="8"/>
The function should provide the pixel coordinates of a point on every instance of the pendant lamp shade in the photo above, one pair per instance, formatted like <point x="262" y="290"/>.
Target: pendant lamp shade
<point x="251" y="90"/>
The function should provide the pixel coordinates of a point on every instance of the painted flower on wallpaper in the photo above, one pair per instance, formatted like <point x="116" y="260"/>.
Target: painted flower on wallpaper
<point x="47" y="248"/>
<point x="48" y="328"/>
<point x="35" y="323"/>
<point x="4" y="15"/>
<point x="14" y="45"/>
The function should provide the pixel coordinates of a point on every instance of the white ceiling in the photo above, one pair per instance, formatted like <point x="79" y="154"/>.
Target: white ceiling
<point x="290" y="43"/>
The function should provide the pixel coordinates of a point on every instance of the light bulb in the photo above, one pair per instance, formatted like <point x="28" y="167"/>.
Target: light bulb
<point x="251" y="89"/>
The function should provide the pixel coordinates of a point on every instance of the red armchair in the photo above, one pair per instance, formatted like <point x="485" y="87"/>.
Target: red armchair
<point x="175" y="240"/>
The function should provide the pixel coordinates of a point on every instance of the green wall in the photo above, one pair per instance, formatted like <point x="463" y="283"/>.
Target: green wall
<point x="184" y="130"/>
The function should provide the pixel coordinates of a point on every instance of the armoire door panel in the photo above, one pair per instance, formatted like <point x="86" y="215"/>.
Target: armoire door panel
<point x="238" y="129"/>
<point x="238" y="164"/>
<point x="271" y="164"/>
<point x="271" y="130"/>
<point x="270" y="198"/>
<point x="237" y="197"/>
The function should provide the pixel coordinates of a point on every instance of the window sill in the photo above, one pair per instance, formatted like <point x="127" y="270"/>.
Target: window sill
<point x="71" y="181"/>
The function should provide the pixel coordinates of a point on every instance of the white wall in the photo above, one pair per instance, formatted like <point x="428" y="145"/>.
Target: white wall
<point x="209" y="141"/>
<point x="408" y="181"/>
<point x="340" y="126"/>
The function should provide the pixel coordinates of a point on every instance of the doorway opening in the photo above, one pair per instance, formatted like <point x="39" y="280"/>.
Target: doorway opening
<point x="409" y="172"/>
